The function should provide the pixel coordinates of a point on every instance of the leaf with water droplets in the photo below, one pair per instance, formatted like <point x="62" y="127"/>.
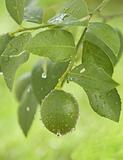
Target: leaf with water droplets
<point x="58" y="45"/>
<point x="33" y="13"/>
<point x="73" y="13"/>
<point x="45" y="76"/>
<point x="105" y="37"/>
<point x="16" y="9"/>
<point x="93" y="77"/>
<point x="106" y="104"/>
<point x="13" y="56"/>
<point x="27" y="110"/>
<point x="100" y="89"/>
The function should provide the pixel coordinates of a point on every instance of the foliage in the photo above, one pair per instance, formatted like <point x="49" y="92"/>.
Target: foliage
<point x="55" y="42"/>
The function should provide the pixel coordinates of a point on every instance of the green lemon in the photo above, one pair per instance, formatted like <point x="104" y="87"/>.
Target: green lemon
<point x="59" y="112"/>
<point x="22" y="84"/>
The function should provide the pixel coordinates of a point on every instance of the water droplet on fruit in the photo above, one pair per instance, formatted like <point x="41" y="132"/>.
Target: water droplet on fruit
<point x="58" y="134"/>
<point x="82" y="70"/>
<point x="73" y="129"/>
<point x="44" y="75"/>
<point x="116" y="103"/>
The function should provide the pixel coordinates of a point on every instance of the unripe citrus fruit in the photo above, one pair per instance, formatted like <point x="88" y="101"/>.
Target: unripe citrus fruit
<point x="22" y="83"/>
<point x="59" y="112"/>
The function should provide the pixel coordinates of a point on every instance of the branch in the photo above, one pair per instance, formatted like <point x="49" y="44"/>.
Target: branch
<point x="32" y="28"/>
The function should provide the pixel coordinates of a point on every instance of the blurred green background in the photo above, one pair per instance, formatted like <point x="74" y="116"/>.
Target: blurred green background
<point x="95" y="138"/>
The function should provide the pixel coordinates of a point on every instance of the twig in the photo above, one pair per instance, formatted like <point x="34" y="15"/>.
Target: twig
<point x="31" y="28"/>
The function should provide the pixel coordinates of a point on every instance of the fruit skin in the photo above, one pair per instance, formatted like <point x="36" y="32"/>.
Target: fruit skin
<point x="22" y="84"/>
<point x="59" y="112"/>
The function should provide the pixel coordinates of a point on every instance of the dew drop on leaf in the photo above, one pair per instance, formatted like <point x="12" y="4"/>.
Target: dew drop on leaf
<point x="71" y="79"/>
<point x="28" y="90"/>
<point x="82" y="70"/>
<point x="28" y="109"/>
<point x="44" y="75"/>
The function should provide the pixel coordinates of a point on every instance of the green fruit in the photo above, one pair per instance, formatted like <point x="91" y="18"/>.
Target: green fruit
<point x="22" y="84"/>
<point x="59" y="112"/>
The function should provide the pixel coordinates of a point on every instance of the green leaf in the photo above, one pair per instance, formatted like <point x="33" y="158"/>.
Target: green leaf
<point x="92" y="77"/>
<point x="58" y="45"/>
<point x="4" y="40"/>
<point x="48" y="14"/>
<point x="33" y="13"/>
<point x="21" y="85"/>
<point x="27" y="110"/>
<point x="92" y="54"/>
<point x="105" y="37"/>
<point x="106" y="104"/>
<point x="100" y="89"/>
<point x="73" y="13"/>
<point x="16" y="9"/>
<point x="121" y="45"/>
<point x="45" y="76"/>
<point x="13" y="56"/>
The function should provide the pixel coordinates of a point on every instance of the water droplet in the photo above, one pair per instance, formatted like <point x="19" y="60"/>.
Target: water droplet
<point x="58" y="18"/>
<point x="28" y="109"/>
<point x="70" y="79"/>
<point x="71" y="116"/>
<point x="28" y="90"/>
<point x="58" y="134"/>
<point x="82" y="70"/>
<point x="44" y="75"/>
<point x="73" y="129"/>
<point x="116" y="103"/>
